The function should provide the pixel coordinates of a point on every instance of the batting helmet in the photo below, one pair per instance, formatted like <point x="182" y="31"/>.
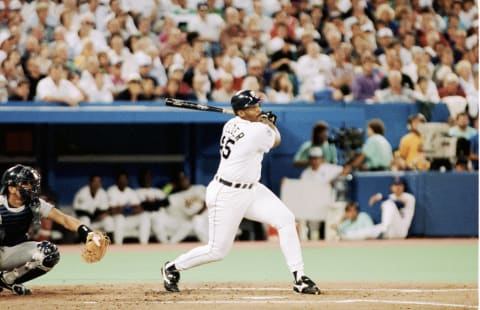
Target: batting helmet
<point x="19" y="176"/>
<point x="244" y="99"/>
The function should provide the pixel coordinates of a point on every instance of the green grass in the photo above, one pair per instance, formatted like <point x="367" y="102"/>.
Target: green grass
<point x="406" y="263"/>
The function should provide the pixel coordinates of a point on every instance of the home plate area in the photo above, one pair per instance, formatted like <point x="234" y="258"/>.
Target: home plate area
<point x="243" y="295"/>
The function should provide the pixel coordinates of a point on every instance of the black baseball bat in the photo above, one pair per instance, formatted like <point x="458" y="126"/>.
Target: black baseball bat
<point x="183" y="104"/>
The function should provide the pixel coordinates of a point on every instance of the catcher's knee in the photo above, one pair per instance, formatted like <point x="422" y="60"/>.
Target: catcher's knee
<point x="47" y="255"/>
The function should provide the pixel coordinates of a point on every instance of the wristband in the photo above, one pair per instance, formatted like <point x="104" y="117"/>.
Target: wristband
<point x="83" y="231"/>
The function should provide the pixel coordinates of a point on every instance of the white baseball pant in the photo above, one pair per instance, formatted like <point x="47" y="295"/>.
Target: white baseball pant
<point x="227" y="207"/>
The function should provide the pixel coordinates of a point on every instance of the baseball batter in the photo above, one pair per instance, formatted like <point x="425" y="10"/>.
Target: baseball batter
<point x="235" y="193"/>
<point x="22" y="260"/>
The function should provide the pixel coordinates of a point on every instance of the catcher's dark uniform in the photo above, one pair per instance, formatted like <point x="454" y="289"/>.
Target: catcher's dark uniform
<point x="22" y="260"/>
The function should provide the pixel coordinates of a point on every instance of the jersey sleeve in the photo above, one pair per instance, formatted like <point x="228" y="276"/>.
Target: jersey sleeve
<point x="45" y="208"/>
<point x="264" y="136"/>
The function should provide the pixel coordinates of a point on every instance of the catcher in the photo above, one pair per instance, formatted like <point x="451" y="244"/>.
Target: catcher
<point x="22" y="260"/>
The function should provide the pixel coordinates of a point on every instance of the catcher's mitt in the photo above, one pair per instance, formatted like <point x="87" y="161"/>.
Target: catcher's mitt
<point x="95" y="247"/>
<point x="270" y="116"/>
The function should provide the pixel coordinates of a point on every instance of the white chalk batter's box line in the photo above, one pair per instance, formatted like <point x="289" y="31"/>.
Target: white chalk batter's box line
<point x="299" y="302"/>
<point x="396" y="290"/>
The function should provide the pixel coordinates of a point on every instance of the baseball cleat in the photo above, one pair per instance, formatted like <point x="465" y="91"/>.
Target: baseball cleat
<point x="170" y="278"/>
<point x="18" y="289"/>
<point x="306" y="286"/>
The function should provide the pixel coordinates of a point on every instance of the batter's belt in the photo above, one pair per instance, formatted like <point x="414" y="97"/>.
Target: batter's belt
<point x="234" y="184"/>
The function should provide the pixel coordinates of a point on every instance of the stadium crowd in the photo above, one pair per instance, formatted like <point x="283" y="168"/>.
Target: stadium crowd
<point x="99" y="51"/>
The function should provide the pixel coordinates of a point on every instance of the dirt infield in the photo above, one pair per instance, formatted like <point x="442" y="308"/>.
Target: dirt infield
<point x="250" y="295"/>
<point x="246" y="295"/>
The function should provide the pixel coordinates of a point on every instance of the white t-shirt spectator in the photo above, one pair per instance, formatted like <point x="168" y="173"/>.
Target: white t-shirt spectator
<point x="209" y="28"/>
<point x="47" y="88"/>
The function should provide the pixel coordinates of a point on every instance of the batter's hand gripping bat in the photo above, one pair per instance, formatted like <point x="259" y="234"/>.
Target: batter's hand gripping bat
<point x="183" y="104"/>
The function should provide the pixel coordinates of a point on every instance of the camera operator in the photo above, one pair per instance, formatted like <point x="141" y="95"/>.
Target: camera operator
<point x="376" y="153"/>
<point x="320" y="139"/>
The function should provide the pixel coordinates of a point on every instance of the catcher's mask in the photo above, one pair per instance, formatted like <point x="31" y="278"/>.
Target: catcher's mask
<point x="25" y="179"/>
<point x="244" y="99"/>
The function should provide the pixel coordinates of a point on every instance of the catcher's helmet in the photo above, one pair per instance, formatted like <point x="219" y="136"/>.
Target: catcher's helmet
<point x="244" y="99"/>
<point x="25" y="178"/>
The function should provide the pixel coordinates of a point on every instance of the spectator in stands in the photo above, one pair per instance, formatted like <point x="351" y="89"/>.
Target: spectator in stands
<point x="90" y="204"/>
<point x="281" y="89"/>
<point x="397" y="208"/>
<point x="282" y="57"/>
<point x="33" y="74"/>
<point x="199" y="90"/>
<point x="151" y="91"/>
<point x="172" y="90"/>
<point x="341" y="74"/>
<point x="233" y="31"/>
<point x="176" y="72"/>
<point x="365" y="84"/>
<point x="256" y="40"/>
<point x="11" y="75"/>
<point x="88" y="31"/>
<point x="426" y="90"/>
<point x="232" y="61"/>
<point x="119" y="52"/>
<point x="462" y="128"/>
<point x="395" y="92"/>
<point x="41" y="9"/>
<point x="153" y="201"/>
<point x="313" y="71"/>
<point x="200" y="67"/>
<point x="352" y="221"/>
<point x="411" y="144"/>
<point x="94" y="83"/>
<point x="21" y="92"/>
<point x="256" y="68"/>
<point x="115" y="76"/>
<point x="88" y="51"/>
<point x="319" y="138"/>
<point x="376" y="154"/>
<point x="467" y="82"/>
<point x="474" y="146"/>
<point x="393" y="63"/>
<point x="226" y="91"/>
<point x="134" y="90"/>
<point x="451" y="87"/>
<point x="251" y="82"/>
<point x="208" y="25"/>
<point x="127" y="213"/>
<point x="144" y="30"/>
<point x="265" y="21"/>
<point x="56" y="88"/>
<point x="445" y="66"/>
<point x="384" y="39"/>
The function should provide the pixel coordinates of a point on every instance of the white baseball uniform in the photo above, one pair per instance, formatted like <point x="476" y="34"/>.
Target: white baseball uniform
<point x="184" y="216"/>
<point x="139" y="223"/>
<point x="395" y="221"/>
<point x="84" y="201"/>
<point x="158" y="219"/>
<point x="235" y="193"/>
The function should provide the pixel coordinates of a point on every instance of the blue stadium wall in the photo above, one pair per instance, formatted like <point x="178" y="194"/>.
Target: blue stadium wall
<point x="69" y="144"/>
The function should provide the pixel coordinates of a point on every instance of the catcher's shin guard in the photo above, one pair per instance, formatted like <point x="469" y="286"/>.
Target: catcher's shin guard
<point x="42" y="261"/>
